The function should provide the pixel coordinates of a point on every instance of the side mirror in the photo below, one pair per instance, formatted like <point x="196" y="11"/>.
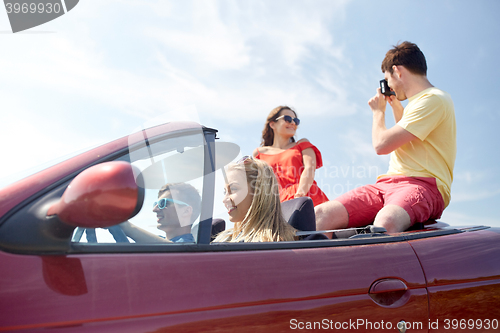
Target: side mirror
<point x="101" y="196"/>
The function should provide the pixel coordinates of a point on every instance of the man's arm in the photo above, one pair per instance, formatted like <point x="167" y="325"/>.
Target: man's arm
<point x="397" y="107"/>
<point x="140" y="235"/>
<point x="386" y="140"/>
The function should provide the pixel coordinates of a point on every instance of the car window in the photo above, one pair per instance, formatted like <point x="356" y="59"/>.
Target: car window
<point x="171" y="172"/>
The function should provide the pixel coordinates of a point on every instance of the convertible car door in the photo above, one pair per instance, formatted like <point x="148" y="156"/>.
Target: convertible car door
<point x="228" y="288"/>
<point x="463" y="277"/>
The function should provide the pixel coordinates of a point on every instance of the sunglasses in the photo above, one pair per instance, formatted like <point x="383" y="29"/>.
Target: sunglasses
<point x="289" y="119"/>
<point x="167" y="202"/>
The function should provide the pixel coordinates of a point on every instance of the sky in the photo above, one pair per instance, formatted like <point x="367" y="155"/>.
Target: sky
<point x="109" y="67"/>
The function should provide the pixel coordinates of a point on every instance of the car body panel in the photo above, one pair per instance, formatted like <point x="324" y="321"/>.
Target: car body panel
<point x="463" y="276"/>
<point x="183" y="288"/>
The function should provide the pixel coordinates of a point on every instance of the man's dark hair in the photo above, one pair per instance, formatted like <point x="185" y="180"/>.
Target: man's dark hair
<point x="187" y="193"/>
<point x="408" y="55"/>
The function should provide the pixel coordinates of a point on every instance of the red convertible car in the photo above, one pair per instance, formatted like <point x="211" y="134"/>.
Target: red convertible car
<point x="67" y="265"/>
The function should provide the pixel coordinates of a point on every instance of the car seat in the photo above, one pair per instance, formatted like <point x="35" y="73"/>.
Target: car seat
<point x="299" y="213"/>
<point x="218" y="225"/>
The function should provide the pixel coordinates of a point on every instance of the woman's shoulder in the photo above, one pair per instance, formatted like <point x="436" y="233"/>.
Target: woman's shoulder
<point x="304" y="144"/>
<point x="302" y="141"/>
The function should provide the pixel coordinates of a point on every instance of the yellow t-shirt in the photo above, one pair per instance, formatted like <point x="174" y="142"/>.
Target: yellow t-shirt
<point x="430" y="116"/>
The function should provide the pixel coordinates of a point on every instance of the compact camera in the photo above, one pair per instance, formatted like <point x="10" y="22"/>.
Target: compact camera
<point x="384" y="88"/>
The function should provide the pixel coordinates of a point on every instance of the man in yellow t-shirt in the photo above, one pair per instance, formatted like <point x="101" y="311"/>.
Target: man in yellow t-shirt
<point x="422" y="145"/>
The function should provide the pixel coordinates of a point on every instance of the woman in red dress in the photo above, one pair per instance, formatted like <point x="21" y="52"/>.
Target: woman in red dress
<point x="294" y="163"/>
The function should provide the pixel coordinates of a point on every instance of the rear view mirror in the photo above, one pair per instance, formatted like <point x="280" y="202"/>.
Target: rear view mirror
<point x="101" y="196"/>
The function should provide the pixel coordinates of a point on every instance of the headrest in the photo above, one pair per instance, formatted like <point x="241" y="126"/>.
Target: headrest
<point x="218" y="225"/>
<point x="299" y="213"/>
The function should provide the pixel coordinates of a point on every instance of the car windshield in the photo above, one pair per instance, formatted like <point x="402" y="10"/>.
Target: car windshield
<point x="172" y="169"/>
<point x="167" y="168"/>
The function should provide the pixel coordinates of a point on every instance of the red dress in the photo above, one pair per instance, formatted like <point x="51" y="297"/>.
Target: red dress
<point x="288" y="167"/>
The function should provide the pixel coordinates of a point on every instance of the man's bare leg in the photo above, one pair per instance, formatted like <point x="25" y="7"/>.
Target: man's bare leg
<point x="331" y="215"/>
<point x="393" y="218"/>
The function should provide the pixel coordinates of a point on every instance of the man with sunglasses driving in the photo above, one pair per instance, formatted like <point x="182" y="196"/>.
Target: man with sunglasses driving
<point x="177" y="208"/>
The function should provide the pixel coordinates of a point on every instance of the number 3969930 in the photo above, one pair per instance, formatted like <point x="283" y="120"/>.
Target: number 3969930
<point x="33" y="8"/>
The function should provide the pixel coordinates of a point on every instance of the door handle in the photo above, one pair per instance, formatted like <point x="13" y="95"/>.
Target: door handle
<point x="387" y="291"/>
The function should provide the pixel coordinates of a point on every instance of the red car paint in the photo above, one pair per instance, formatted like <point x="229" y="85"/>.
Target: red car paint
<point x="106" y="194"/>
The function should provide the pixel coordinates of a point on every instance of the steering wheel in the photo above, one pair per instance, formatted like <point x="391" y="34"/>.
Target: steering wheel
<point x="116" y="231"/>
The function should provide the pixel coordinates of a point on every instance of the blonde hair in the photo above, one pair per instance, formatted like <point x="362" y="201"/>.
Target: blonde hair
<point x="264" y="220"/>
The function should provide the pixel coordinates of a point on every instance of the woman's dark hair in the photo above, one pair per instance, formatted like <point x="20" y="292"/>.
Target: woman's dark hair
<point x="267" y="133"/>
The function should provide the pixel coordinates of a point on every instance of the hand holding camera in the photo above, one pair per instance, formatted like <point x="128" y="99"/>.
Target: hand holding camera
<point x="384" y="88"/>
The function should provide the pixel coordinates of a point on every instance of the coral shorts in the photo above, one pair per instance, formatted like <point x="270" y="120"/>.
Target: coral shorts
<point x="418" y="196"/>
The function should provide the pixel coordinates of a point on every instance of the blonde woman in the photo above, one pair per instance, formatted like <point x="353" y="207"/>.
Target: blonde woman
<point x="294" y="163"/>
<point x="253" y="204"/>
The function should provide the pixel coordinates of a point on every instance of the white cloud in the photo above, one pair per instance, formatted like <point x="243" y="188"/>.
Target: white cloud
<point x="209" y="41"/>
<point x="66" y="68"/>
<point x="220" y="42"/>
<point x="359" y="144"/>
<point x="25" y="144"/>
<point x="236" y="61"/>
<point x="468" y="177"/>
<point x="471" y="186"/>
<point x="460" y="219"/>
<point x="474" y="194"/>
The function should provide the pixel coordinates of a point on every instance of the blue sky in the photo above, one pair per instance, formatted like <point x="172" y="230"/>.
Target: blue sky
<point x="109" y="67"/>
